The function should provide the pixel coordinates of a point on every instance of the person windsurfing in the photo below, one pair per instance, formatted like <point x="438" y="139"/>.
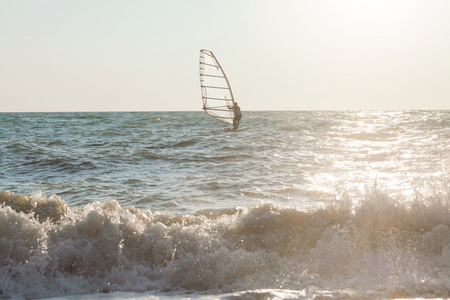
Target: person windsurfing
<point x="237" y="115"/>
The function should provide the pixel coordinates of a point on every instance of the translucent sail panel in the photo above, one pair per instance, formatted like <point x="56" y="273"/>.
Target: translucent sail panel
<point x="216" y="91"/>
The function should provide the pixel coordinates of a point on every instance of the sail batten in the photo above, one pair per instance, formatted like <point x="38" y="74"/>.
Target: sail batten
<point x="212" y="98"/>
<point x="216" y="87"/>
<point x="217" y="97"/>
<point x="213" y="76"/>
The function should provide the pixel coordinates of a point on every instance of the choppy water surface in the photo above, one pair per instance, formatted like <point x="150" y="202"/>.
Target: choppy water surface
<point x="172" y="205"/>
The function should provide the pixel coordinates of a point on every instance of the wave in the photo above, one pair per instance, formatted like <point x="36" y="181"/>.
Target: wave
<point x="49" y="249"/>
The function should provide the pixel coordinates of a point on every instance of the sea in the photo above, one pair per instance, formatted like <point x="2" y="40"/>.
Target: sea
<point x="175" y="205"/>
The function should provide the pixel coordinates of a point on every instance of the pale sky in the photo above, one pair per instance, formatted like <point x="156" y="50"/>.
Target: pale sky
<point x="142" y="55"/>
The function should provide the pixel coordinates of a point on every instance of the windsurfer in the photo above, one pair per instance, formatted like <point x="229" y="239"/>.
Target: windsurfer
<point x="237" y="115"/>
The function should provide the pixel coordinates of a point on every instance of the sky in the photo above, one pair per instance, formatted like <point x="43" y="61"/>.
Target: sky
<point x="143" y="55"/>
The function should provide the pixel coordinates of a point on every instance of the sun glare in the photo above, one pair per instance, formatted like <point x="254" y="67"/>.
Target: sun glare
<point x="360" y="54"/>
<point x="346" y="22"/>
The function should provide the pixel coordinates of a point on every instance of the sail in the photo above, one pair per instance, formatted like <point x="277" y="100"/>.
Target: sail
<point x="217" y="96"/>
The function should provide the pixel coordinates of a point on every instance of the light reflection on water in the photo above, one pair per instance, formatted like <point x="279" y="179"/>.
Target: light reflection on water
<point x="176" y="160"/>
<point x="200" y="229"/>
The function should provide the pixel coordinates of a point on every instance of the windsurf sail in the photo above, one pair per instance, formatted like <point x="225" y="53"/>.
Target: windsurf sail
<point x="217" y="96"/>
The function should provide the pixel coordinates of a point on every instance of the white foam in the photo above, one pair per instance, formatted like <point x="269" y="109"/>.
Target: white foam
<point x="379" y="247"/>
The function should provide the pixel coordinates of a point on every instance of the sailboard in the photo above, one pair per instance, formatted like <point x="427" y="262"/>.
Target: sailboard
<point x="217" y="97"/>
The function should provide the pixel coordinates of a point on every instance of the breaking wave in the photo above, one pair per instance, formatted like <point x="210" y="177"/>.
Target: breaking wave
<point x="381" y="247"/>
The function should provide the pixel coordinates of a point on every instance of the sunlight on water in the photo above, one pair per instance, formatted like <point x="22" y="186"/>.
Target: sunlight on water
<point x="367" y="148"/>
<point x="343" y="205"/>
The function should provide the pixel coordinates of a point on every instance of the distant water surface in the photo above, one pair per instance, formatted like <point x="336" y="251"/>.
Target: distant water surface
<point x="172" y="204"/>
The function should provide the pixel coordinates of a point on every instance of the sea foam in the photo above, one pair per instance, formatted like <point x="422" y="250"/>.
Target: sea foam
<point x="381" y="246"/>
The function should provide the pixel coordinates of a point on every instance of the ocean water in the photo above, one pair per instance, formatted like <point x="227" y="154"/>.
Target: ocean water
<point x="171" y="205"/>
